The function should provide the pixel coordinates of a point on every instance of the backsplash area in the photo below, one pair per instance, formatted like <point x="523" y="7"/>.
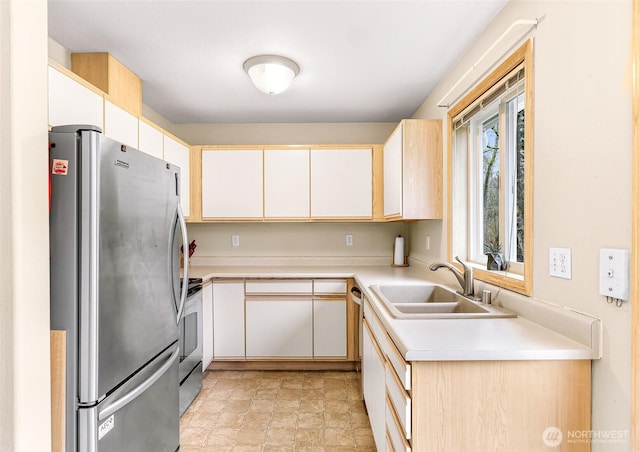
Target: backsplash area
<point x="306" y="243"/>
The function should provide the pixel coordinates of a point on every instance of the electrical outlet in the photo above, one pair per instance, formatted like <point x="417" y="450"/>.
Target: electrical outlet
<point x="349" y="240"/>
<point x="428" y="242"/>
<point x="560" y="262"/>
<point x="235" y="240"/>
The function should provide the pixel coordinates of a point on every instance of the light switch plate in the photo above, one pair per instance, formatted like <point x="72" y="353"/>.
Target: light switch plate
<point x="614" y="273"/>
<point x="560" y="262"/>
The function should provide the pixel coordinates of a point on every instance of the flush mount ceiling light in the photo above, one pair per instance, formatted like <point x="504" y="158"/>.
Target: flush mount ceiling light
<point x="272" y="74"/>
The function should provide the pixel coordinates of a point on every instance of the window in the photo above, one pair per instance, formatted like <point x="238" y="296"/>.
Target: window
<point x="490" y="155"/>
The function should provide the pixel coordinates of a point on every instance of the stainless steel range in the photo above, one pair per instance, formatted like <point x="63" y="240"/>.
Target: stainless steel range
<point x="190" y="367"/>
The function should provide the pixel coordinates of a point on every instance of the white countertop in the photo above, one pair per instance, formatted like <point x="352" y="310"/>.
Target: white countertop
<point x="451" y="339"/>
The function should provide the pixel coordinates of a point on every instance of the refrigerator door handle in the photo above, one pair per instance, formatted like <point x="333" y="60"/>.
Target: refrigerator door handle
<point x="185" y="271"/>
<point x="116" y="405"/>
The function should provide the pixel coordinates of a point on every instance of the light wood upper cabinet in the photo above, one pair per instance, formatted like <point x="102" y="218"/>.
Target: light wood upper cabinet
<point x="341" y="183"/>
<point x="72" y="103"/>
<point x="232" y="184"/>
<point x="178" y="154"/>
<point x="286" y="183"/>
<point x="120" y="125"/>
<point x="123" y="87"/>
<point x="150" y="139"/>
<point x="413" y="171"/>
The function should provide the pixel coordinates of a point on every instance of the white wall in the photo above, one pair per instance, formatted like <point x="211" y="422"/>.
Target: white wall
<point x="25" y="417"/>
<point x="582" y="169"/>
<point x="286" y="133"/>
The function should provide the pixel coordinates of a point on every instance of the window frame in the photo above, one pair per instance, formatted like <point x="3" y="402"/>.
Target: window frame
<point x="517" y="282"/>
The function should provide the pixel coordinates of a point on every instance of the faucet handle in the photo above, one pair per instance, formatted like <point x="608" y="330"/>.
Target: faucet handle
<point x="465" y="266"/>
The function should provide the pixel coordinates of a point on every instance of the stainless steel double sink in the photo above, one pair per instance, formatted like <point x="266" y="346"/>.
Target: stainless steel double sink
<point x="432" y="301"/>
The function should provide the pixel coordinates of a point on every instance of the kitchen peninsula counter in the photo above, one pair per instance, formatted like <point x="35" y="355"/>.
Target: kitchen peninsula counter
<point x="541" y="331"/>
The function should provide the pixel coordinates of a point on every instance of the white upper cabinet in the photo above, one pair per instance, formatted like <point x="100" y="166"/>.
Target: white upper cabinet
<point x="286" y="183"/>
<point x="412" y="158"/>
<point x="341" y="183"/>
<point x="150" y="140"/>
<point x="120" y="125"/>
<point x="393" y="174"/>
<point x="178" y="154"/>
<point x="232" y="183"/>
<point x="72" y="103"/>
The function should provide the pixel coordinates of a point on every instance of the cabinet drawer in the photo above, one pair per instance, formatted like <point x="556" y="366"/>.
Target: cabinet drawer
<point x="399" y="400"/>
<point x="292" y="287"/>
<point x="395" y="436"/>
<point x="401" y="367"/>
<point x="329" y="287"/>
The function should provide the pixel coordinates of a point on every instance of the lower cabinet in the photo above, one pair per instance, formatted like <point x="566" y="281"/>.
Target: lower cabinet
<point x="228" y="320"/>
<point x="207" y="325"/>
<point x="279" y="328"/>
<point x="273" y="318"/>
<point x="330" y="328"/>
<point x="373" y="366"/>
<point x="469" y="405"/>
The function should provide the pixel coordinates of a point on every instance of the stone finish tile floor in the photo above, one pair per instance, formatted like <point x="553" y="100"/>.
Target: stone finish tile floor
<point x="277" y="411"/>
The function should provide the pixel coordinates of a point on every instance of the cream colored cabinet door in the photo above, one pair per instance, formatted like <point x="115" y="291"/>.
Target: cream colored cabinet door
<point x="72" y="103"/>
<point x="279" y="328"/>
<point x="232" y="183"/>
<point x="412" y="172"/>
<point x="120" y="125"/>
<point x="286" y="183"/>
<point x="178" y="154"/>
<point x="207" y="325"/>
<point x="341" y="183"/>
<point x="373" y="377"/>
<point x="228" y="320"/>
<point x="330" y="328"/>
<point x="150" y="140"/>
<point x="392" y="153"/>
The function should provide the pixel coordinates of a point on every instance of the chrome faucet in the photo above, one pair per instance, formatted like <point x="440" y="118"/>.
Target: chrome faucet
<point x="464" y="278"/>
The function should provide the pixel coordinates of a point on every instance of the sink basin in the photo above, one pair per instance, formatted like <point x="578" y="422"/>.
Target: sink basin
<point x="416" y="294"/>
<point x="431" y="301"/>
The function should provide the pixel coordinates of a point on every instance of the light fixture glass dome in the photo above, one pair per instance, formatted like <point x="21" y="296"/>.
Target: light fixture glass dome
<point x="271" y="74"/>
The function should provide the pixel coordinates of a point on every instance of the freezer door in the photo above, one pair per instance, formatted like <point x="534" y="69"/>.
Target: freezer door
<point x="140" y="416"/>
<point x="136" y="308"/>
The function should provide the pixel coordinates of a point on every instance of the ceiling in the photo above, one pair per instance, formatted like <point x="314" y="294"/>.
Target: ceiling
<point x="360" y="61"/>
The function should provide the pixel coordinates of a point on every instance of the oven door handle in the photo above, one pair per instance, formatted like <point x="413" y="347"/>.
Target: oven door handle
<point x="138" y="390"/>
<point x="185" y="271"/>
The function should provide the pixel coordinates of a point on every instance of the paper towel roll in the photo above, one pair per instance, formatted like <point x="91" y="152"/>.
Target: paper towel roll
<point x="398" y="251"/>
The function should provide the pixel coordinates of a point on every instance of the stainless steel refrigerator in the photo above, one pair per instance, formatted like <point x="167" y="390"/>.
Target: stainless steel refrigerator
<point x="116" y="230"/>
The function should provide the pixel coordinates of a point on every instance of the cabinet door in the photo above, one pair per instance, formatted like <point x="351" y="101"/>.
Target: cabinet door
<point x="286" y="183"/>
<point x="232" y="183"/>
<point x="178" y="154"/>
<point x="279" y="328"/>
<point x="72" y="103"/>
<point x="330" y="328"/>
<point x="228" y="320"/>
<point x="150" y="140"/>
<point x="341" y="183"/>
<point x="207" y="325"/>
<point x="373" y="370"/>
<point x="120" y="125"/>
<point x="392" y="153"/>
